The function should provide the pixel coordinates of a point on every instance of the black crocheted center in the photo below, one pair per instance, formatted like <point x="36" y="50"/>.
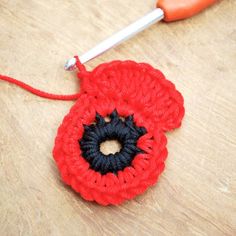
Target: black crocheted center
<point x="123" y="130"/>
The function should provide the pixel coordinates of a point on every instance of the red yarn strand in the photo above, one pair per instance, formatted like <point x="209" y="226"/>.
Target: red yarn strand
<point x="39" y="92"/>
<point x="79" y="65"/>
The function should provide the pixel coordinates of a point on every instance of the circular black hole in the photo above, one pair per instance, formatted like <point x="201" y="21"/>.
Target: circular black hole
<point x="112" y="146"/>
<point x="107" y="130"/>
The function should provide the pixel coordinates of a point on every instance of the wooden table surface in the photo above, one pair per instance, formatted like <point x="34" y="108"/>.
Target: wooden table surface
<point x="196" y="194"/>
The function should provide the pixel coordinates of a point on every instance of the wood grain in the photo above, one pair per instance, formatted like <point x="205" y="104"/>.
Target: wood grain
<point x="196" y="194"/>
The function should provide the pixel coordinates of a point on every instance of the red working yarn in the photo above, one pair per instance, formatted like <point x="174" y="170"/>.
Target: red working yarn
<point x="129" y="88"/>
<point x="39" y="92"/>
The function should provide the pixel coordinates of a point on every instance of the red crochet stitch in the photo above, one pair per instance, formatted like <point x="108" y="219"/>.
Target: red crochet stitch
<point x="132" y="89"/>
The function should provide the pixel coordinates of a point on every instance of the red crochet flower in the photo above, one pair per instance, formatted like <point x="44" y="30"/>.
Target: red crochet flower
<point x="142" y="105"/>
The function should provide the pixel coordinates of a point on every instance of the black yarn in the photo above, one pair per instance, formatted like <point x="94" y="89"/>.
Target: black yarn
<point x="126" y="132"/>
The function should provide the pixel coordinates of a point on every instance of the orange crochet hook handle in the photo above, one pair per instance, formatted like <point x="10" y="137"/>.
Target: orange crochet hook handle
<point x="181" y="9"/>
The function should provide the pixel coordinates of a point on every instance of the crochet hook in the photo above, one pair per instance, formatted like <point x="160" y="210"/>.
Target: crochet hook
<point x="167" y="10"/>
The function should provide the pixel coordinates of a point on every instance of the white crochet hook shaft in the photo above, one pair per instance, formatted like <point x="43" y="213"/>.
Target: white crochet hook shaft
<point x="169" y="10"/>
<point x="119" y="37"/>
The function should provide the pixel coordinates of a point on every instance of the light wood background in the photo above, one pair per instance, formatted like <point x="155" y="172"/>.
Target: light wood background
<point x="196" y="194"/>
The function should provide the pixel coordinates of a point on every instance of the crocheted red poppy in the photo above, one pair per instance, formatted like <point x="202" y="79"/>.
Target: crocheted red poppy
<point x="140" y="105"/>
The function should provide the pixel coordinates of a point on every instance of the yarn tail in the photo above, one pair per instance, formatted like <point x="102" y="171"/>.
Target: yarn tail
<point x="39" y="92"/>
<point x="70" y="97"/>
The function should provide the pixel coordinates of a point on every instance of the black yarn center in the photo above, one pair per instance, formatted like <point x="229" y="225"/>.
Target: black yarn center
<point x="124" y="131"/>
